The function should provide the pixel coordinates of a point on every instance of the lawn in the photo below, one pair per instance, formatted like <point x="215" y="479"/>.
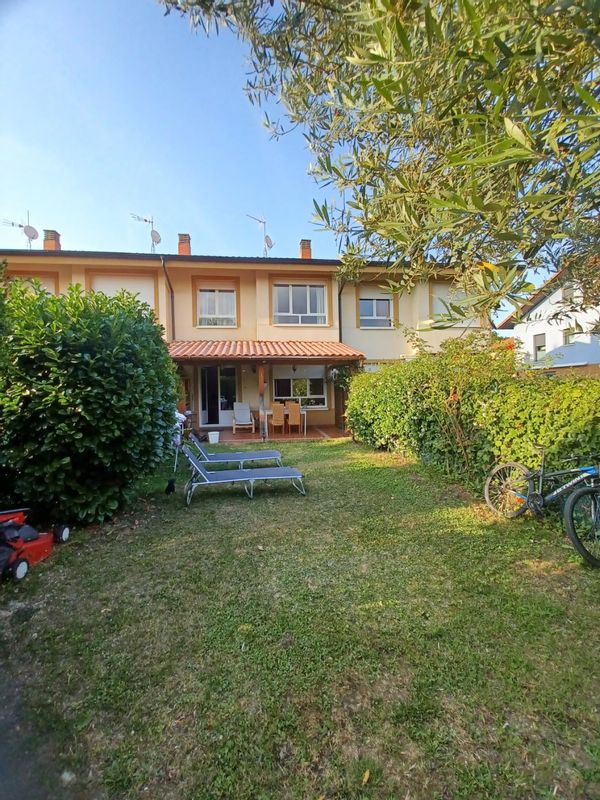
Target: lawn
<point x="383" y="637"/>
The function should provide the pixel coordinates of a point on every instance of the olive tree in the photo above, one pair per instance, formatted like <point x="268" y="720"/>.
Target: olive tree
<point x="459" y="134"/>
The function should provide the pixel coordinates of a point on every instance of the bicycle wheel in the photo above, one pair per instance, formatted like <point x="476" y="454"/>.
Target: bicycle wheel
<point x="582" y="520"/>
<point x="507" y="488"/>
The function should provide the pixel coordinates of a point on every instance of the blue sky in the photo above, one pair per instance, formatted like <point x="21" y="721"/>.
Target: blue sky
<point x="111" y="108"/>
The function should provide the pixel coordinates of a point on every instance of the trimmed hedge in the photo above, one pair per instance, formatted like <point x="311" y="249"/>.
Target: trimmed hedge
<point x="87" y="399"/>
<point x="463" y="409"/>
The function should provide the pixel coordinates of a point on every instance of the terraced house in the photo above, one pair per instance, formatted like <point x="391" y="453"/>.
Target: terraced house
<point x="240" y="328"/>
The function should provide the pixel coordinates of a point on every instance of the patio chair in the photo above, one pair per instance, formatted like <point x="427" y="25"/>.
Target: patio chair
<point x="242" y="416"/>
<point x="233" y="458"/>
<point x="277" y="417"/>
<point x="202" y="477"/>
<point x="294" y="419"/>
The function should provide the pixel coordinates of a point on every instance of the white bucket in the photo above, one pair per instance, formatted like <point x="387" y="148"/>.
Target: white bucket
<point x="213" y="437"/>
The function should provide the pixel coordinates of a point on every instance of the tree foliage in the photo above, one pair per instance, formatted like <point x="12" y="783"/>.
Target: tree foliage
<point x="87" y="399"/>
<point x="458" y="134"/>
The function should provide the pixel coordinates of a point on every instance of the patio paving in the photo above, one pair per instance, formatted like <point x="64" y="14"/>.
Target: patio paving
<point x="314" y="433"/>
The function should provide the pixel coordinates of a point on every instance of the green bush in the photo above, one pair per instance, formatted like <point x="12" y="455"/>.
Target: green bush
<point x="464" y="408"/>
<point x="87" y="394"/>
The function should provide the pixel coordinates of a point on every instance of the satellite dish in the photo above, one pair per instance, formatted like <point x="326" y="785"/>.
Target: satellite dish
<point x="154" y="234"/>
<point x="29" y="231"/>
<point x="267" y="241"/>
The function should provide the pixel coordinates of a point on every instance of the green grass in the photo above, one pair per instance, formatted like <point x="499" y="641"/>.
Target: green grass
<point x="283" y="647"/>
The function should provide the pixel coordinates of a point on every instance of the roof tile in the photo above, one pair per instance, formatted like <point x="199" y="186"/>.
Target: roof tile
<point x="249" y="350"/>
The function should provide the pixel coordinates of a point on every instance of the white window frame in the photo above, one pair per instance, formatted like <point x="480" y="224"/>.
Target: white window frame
<point x="538" y="356"/>
<point x="216" y="317"/>
<point x="307" y="287"/>
<point x="569" y="335"/>
<point x="302" y="398"/>
<point x="362" y="317"/>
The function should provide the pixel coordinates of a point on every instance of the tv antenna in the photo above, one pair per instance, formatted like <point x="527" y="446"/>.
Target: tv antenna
<point x="29" y="231"/>
<point x="267" y="241"/>
<point x="154" y="234"/>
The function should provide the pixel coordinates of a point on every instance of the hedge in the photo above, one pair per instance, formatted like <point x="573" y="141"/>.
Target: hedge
<point x="466" y="408"/>
<point x="87" y="398"/>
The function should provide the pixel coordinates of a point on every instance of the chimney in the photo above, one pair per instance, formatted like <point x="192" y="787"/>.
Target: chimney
<point x="51" y="240"/>
<point x="184" y="247"/>
<point x="305" y="249"/>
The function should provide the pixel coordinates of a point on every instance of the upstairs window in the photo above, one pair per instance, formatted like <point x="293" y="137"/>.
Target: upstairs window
<point x="569" y="295"/>
<point x="216" y="308"/>
<point x="569" y="335"/>
<point x="539" y="346"/>
<point x="299" y="304"/>
<point x="375" y="312"/>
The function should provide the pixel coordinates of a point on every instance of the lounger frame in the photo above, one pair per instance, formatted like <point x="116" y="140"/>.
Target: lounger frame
<point x="240" y="457"/>
<point x="202" y="477"/>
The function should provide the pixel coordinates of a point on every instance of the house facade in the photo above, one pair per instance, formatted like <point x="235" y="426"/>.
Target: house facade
<point x="252" y="330"/>
<point x="552" y="339"/>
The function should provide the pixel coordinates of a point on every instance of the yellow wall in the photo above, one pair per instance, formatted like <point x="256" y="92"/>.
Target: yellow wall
<point x="253" y="284"/>
<point x="412" y="310"/>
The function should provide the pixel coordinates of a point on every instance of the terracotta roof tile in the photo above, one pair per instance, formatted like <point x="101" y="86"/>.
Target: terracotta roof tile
<point x="246" y="350"/>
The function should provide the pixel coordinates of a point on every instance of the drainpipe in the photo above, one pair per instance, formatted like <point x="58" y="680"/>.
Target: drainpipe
<point x="340" y="290"/>
<point x="342" y="284"/>
<point x="172" y="293"/>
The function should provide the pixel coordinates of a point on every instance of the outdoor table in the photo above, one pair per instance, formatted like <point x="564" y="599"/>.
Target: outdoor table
<point x="269" y="412"/>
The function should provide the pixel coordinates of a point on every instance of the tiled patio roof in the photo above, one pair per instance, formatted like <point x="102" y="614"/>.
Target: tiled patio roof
<point x="245" y="350"/>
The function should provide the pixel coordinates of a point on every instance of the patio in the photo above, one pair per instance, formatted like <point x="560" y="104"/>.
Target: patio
<point x="217" y="374"/>
<point x="314" y="433"/>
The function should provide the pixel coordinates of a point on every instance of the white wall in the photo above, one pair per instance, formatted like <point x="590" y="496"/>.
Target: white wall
<point x="584" y="350"/>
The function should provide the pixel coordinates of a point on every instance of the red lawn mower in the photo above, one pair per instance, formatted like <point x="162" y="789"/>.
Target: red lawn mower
<point x="21" y="546"/>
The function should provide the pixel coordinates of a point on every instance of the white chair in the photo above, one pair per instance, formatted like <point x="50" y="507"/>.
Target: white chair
<point x="242" y="416"/>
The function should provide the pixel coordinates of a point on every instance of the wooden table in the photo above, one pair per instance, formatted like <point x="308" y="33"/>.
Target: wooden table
<point x="269" y="412"/>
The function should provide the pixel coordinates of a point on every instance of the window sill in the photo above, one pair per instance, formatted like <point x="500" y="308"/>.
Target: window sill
<point x="367" y="328"/>
<point x="301" y="325"/>
<point x="216" y="327"/>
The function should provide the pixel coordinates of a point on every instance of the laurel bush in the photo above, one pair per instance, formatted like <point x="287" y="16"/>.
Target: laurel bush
<point x="469" y="406"/>
<point x="87" y="398"/>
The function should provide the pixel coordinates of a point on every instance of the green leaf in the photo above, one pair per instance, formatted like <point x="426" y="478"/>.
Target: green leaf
<point x="472" y="17"/>
<point x="403" y="37"/>
<point x="587" y="97"/>
<point x="516" y="133"/>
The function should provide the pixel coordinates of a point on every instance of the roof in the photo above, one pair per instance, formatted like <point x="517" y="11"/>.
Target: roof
<point x="247" y="350"/>
<point x="542" y="293"/>
<point x="332" y="262"/>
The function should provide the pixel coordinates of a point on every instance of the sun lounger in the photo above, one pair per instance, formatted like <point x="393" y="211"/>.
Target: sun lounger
<point x="202" y="477"/>
<point x="234" y="458"/>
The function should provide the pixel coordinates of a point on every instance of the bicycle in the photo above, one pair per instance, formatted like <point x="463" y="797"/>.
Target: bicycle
<point x="510" y="489"/>
<point x="582" y="520"/>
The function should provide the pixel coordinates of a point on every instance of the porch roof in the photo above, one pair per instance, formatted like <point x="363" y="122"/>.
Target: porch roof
<point x="263" y="351"/>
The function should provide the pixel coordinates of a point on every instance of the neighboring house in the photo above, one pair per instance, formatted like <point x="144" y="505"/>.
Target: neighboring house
<point x="241" y="326"/>
<point x="552" y="339"/>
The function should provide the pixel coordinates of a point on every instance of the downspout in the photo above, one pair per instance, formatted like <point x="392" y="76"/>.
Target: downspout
<point x="340" y="290"/>
<point x="172" y="293"/>
<point x="342" y="284"/>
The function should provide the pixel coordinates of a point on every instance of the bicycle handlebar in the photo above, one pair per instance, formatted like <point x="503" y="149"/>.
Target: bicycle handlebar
<point x="581" y="458"/>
